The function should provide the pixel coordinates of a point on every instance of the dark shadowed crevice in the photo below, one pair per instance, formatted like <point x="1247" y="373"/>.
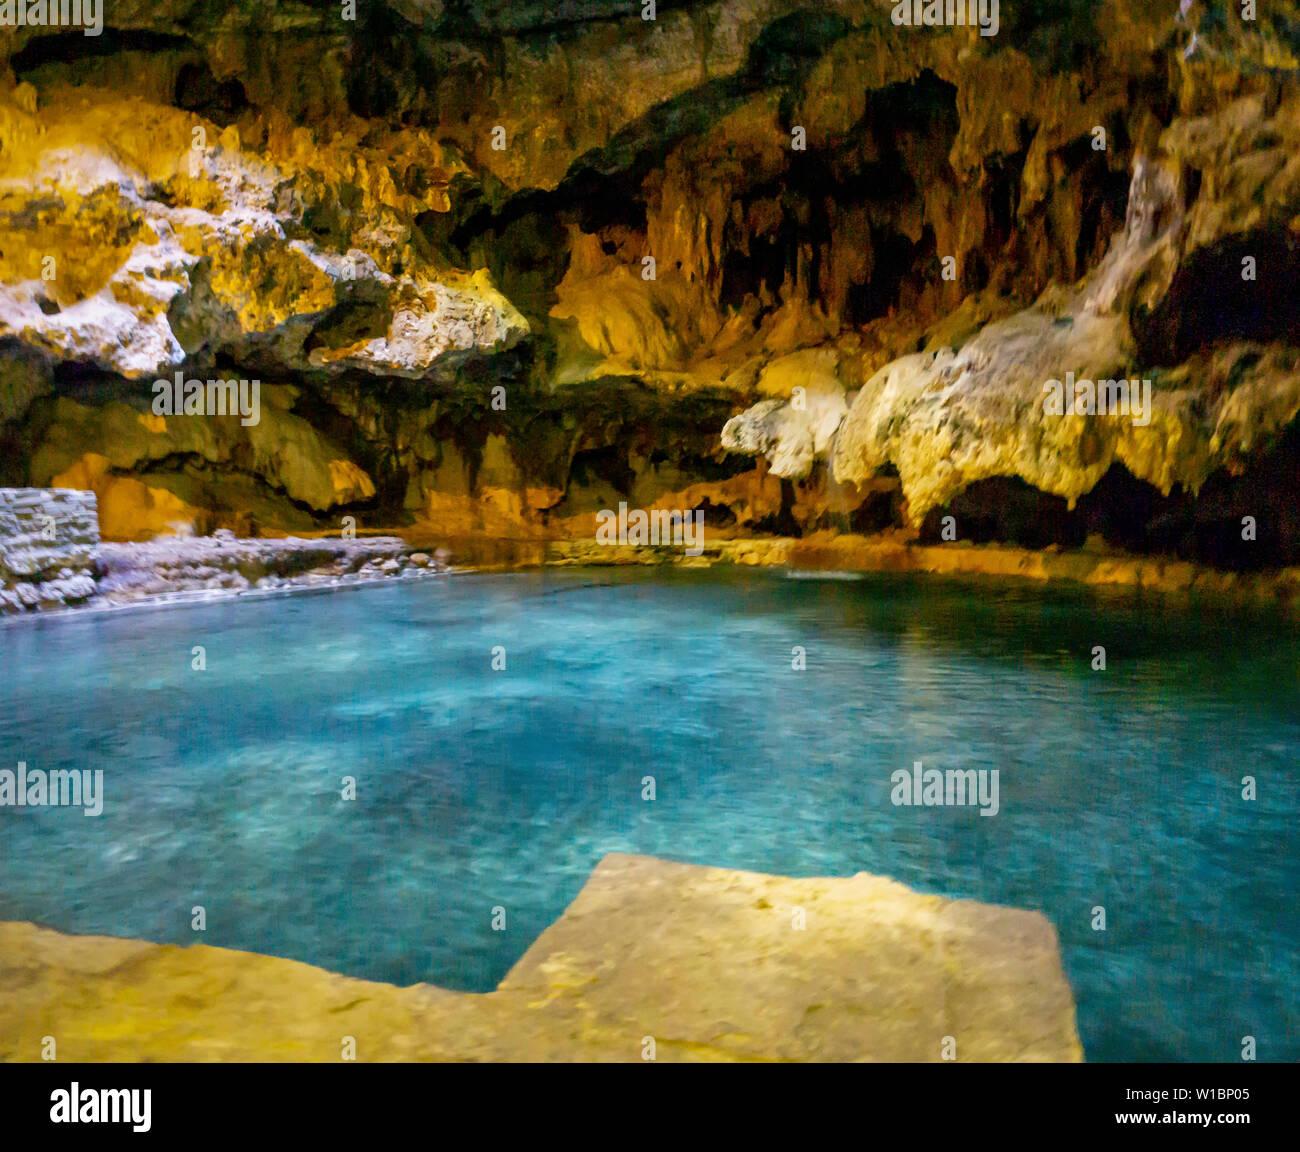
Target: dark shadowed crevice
<point x="1211" y="302"/>
<point x="198" y="91"/>
<point x="601" y="466"/>
<point x="715" y="515"/>
<point x="1131" y="514"/>
<point x="1246" y="521"/>
<point x="1104" y="197"/>
<point x="787" y="49"/>
<point x="895" y="258"/>
<point x="349" y="323"/>
<point x="1061" y="34"/>
<point x="783" y="522"/>
<point x="1005" y="510"/>
<point x="74" y="47"/>
<point x="881" y="510"/>
<point x="1214" y="529"/>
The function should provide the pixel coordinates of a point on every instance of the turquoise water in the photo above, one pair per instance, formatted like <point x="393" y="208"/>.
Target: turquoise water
<point x="479" y="788"/>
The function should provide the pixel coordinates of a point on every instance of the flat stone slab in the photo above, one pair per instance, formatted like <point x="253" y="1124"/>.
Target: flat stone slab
<point x="673" y="961"/>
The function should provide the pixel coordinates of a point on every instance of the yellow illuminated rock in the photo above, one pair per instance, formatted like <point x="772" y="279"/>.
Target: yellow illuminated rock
<point x="654" y="959"/>
<point x="350" y="483"/>
<point x="128" y="508"/>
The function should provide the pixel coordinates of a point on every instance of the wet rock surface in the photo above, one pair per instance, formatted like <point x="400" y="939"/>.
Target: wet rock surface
<point x="704" y="962"/>
<point x="222" y="563"/>
<point x="51" y="557"/>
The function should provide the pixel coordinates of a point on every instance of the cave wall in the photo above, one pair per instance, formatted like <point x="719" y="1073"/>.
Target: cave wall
<point x="496" y="266"/>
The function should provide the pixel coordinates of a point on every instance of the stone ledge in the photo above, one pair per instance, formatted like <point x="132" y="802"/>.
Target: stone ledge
<point x="1274" y="589"/>
<point x="707" y="961"/>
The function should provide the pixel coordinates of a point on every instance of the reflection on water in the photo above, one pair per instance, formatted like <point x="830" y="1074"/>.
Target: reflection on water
<point x="475" y="788"/>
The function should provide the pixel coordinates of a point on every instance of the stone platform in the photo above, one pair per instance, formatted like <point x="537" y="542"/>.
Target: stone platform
<point x="708" y="964"/>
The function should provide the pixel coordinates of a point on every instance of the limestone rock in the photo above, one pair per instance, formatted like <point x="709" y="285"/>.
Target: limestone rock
<point x="141" y="256"/>
<point x="92" y="446"/>
<point x="48" y="543"/>
<point x="797" y="431"/>
<point x="223" y="563"/>
<point x="946" y="419"/>
<point x="703" y="960"/>
<point x="431" y="322"/>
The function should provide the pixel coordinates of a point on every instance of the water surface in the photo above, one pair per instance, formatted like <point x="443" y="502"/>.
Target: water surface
<point x="479" y="788"/>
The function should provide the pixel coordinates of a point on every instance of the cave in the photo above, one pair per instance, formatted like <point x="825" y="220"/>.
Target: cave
<point x="341" y="729"/>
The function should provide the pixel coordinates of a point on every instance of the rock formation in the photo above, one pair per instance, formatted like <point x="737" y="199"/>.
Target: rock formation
<point x="880" y="973"/>
<point x="222" y="563"/>
<point x="48" y="542"/>
<point x="51" y="556"/>
<point x="498" y="266"/>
